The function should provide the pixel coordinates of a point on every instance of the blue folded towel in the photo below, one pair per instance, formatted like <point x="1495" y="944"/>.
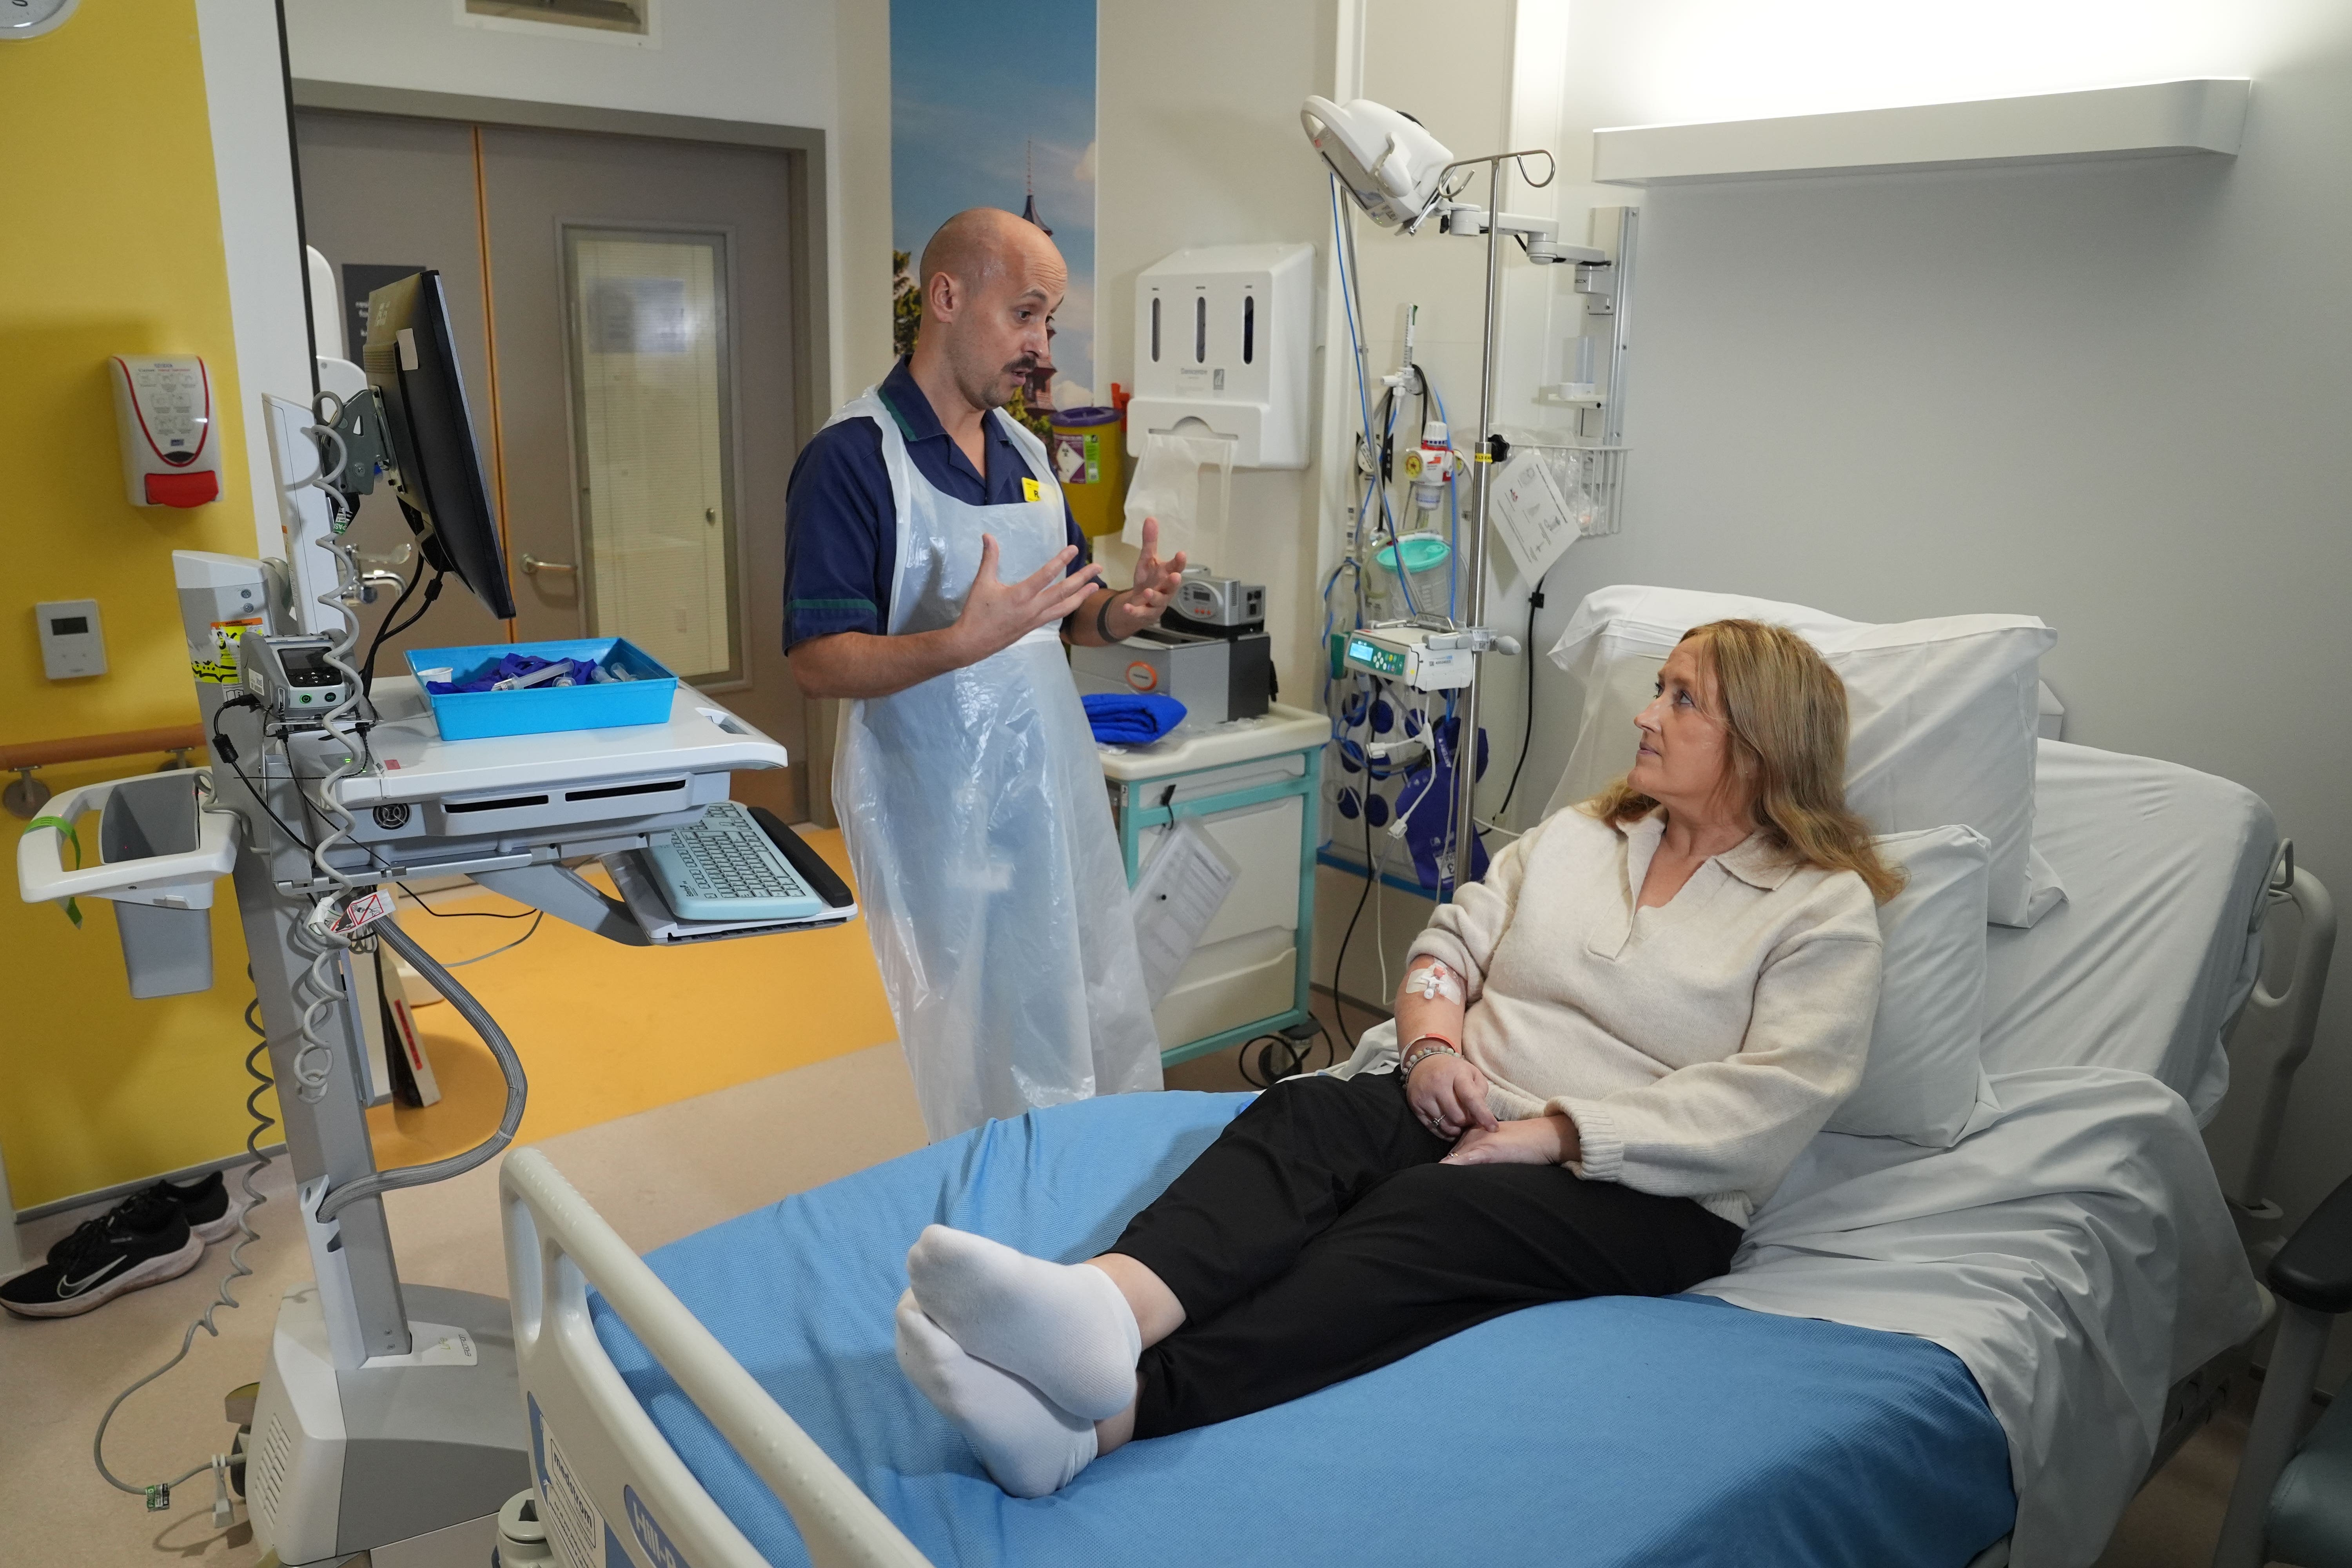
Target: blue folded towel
<point x="1131" y="718"/>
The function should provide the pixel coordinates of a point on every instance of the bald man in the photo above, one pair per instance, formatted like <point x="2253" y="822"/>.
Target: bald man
<point x="931" y="571"/>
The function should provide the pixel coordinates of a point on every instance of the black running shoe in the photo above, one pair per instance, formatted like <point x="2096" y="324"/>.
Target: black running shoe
<point x="205" y="1204"/>
<point x="142" y="1241"/>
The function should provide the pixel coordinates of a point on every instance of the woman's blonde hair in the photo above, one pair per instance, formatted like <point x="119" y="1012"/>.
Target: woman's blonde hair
<point x="1784" y="709"/>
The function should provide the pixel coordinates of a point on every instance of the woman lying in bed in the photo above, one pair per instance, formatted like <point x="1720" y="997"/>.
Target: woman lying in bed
<point x="1612" y="1047"/>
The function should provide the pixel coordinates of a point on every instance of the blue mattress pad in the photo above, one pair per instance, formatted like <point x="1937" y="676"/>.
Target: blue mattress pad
<point x="1612" y="1431"/>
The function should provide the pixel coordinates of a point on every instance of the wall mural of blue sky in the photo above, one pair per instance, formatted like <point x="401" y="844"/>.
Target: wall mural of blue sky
<point x="988" y="102"/>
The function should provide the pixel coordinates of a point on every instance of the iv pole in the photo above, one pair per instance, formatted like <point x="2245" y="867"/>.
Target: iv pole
<point x="1474" y="568"/>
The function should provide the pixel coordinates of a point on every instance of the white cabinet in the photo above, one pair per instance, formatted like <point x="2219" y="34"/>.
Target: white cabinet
<point x="1249" y="782"/>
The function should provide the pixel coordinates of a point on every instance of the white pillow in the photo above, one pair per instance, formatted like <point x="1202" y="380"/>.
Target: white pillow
<point x="1941" y="714"/>
<point x="1923" y="1079"/>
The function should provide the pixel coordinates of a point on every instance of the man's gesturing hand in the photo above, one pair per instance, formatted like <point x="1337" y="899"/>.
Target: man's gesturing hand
<point x="1155" y="583"/>
<point x="997" y="614"/>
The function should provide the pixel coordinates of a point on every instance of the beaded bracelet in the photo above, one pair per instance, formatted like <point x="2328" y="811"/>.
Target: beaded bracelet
<point x="1421" y="1053"/>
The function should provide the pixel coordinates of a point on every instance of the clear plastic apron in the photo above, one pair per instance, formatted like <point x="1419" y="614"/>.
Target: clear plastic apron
<point x="979" y="830"/>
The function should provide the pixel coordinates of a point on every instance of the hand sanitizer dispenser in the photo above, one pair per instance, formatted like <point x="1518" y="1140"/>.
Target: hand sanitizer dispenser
<point x="164" y="414"/>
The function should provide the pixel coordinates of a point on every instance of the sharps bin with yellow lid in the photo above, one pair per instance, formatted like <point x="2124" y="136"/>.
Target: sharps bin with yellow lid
<point x="1090" y="461"/>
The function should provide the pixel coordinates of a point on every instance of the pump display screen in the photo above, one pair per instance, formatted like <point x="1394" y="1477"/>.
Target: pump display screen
<point x="1372" y="655"/>
<point x="307" y="667"/>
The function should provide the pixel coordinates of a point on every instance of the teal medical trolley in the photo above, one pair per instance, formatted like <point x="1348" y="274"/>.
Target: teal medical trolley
<point x="1235" y="777"/>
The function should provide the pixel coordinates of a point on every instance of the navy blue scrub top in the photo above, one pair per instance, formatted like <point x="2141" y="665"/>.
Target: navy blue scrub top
<point x="841" y="528"/>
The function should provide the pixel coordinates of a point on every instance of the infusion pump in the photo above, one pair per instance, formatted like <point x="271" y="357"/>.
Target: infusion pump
<point x="1426" y="659"/>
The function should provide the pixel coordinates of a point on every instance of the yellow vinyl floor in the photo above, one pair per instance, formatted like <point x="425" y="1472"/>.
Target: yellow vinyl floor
<point x="605" y="1031"/>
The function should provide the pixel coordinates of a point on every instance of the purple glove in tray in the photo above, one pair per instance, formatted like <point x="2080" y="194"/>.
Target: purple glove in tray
<point x="583" y="671"/>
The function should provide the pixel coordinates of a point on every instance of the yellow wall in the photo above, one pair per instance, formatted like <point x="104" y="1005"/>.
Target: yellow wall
<point x="109" y="243"/>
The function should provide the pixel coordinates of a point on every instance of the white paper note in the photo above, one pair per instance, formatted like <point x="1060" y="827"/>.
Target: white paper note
<point x="1531" y="514"/>
<point x="1178" y="895"/>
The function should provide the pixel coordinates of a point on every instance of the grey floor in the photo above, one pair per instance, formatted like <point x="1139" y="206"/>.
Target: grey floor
<point x="658" y="1175"/>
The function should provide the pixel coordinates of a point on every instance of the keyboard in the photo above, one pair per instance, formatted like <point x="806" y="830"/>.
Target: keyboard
<point x="724" y="867"/>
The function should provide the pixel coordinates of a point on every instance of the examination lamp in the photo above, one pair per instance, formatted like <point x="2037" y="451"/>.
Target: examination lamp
<point x="1392" y="166"/>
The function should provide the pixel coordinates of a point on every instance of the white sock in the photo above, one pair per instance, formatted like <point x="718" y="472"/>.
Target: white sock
<point x="1028" y="1445"/>
<point x="1064" y="1327"/>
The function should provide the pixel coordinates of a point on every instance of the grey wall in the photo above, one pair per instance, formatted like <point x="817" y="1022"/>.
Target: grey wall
<point x="2110" y="395"/>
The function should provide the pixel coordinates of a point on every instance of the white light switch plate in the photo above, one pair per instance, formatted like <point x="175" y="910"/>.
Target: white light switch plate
<point x="73" y="643"/>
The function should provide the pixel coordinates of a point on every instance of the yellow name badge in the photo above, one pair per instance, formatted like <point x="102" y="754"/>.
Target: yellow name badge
<point x="1029" y="490"/>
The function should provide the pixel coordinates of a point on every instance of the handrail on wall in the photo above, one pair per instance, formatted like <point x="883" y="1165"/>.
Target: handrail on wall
<point x="25" y="795"/>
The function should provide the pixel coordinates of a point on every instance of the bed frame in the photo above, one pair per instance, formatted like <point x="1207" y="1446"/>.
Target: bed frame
<point x="600" y="1464"/>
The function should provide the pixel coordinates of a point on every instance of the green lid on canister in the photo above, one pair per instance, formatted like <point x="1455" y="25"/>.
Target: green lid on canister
<point x="1423" y="552"/>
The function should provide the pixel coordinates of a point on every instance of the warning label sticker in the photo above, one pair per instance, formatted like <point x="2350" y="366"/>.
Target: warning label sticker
<point x="574" y="1527"/>
<point x="216" y="665"/>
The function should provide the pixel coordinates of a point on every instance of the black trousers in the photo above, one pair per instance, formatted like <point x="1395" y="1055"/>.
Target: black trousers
<point x="1318" y="1239"/>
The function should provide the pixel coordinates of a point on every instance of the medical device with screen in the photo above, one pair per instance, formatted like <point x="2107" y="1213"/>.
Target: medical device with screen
<point x="412" y="363"/>
<point x="1424" y="659"/>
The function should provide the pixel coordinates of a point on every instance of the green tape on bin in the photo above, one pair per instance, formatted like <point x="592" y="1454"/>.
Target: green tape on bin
<point x="73" y="909"/>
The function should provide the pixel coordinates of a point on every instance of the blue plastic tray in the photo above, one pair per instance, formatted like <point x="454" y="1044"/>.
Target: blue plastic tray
<point x="541" y="709"/>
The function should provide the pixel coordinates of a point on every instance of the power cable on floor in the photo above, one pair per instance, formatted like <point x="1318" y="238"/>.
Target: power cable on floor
<point x="1281" y="1056"/>
<point x="1339" y="964"/>
<point x="1527" y="730"/>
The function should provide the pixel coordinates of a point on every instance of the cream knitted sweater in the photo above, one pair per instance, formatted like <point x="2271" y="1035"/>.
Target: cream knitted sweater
<point x="1697" y="1045"/>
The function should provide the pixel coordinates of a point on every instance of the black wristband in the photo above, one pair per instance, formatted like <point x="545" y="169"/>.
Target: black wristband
<point x="1102" y="620"/>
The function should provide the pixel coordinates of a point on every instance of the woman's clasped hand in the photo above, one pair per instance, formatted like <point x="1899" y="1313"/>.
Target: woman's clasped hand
<point x="1449" y="1095"/>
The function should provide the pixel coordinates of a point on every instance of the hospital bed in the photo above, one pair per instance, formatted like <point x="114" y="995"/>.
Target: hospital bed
<point x="1970" y="1355"/>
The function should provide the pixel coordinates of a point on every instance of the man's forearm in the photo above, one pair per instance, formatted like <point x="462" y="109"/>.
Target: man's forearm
<point x="849" y="665"/>
<point x="1085" y="625"/>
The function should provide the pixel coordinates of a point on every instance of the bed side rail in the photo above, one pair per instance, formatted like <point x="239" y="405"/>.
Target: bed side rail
<point x="604" y="1450"/>
<point x="2294" y="1014"/>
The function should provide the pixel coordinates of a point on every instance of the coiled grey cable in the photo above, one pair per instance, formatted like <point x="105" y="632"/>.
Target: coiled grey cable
<point x="510" y="1065"/>
<point x="315" y="937"/>
<point x="159" y="1494"/>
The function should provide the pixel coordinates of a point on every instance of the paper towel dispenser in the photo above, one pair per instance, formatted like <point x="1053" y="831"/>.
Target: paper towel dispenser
<point x="1224" y="335"/>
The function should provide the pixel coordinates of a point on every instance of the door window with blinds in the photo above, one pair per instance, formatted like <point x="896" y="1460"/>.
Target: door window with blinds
<point x="654" y="435"/>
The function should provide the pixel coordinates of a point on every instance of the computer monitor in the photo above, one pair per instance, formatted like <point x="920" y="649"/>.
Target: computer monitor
<point x="412" y="361"/>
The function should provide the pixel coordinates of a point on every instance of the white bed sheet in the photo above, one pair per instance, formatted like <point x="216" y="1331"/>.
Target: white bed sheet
<point x="2075" y="1248"/>
<point x="2147" y="962"/>
<point x="2076" y="1254"/>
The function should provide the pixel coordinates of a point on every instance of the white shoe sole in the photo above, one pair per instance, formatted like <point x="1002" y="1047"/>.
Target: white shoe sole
<point x="219" y="1229"/>
<point x="154" y="1271"/>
